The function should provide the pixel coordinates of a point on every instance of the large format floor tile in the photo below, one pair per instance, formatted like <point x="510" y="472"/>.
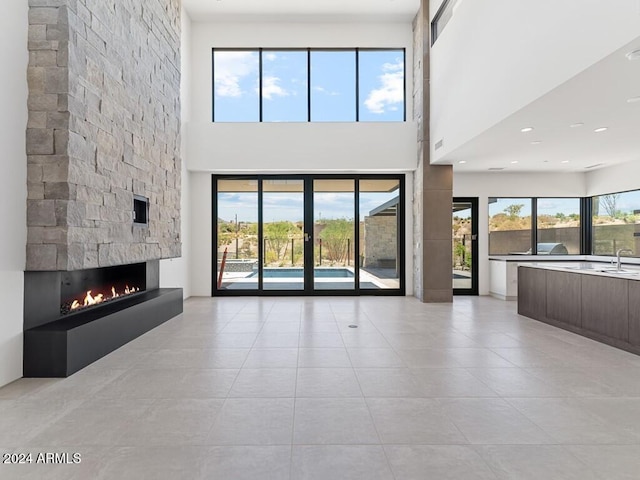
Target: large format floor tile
<point x="246" y="463"/>
<point x="409" y="421"/>
<point x="533" y="462"/>
<point x="254" y="421"/>
<point x="327" y="382"/>
<point x="283" y="388"/>
<point x="346" y="462"/>
<point x="320" y="421"/>
<point x="417" y="462"/>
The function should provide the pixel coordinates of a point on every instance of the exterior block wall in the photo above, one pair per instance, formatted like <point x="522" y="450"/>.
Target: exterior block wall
<point x="104" y="125"/>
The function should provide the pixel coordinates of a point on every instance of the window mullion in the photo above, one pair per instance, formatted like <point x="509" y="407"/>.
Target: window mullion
<point x="308" y="85"/>
<point x="260" y="84"/>
<point x="534" y="226"/>
<point x="357" y="84"/>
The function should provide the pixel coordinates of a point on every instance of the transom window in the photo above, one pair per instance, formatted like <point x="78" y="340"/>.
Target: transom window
<point x="309" y="85"/>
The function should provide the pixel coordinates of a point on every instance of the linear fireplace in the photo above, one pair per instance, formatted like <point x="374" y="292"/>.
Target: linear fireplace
<point x="74" y="318"/>
<point x="83" y="289"/>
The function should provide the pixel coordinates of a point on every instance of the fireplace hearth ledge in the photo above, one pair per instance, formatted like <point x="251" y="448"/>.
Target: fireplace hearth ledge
<point x="62" y="347"/>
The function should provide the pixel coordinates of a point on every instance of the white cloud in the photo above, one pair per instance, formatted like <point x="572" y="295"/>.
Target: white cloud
<point x="391" y="90"/>
<point x="270" y="88"/>
<point x="230" y="69"/>
<point x="325" y="91"/>
<point x="270" y="57"/>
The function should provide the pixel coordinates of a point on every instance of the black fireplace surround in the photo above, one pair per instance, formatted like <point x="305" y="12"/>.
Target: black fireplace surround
<point x="59" y="341"/>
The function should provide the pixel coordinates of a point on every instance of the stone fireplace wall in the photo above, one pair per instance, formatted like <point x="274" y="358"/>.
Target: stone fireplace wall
<point x="104" y="125"/>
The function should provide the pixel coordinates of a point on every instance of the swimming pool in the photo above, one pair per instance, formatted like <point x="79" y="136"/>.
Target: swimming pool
<point x="299" y="273"/>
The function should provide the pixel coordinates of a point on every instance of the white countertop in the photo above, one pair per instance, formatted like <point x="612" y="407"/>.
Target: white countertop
<point x="539" y="258"/>
<point x="603" y="269"/>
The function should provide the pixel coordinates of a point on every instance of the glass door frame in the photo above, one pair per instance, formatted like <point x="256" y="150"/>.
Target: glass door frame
<point x="309" y="232"/>
<point x="474" y="246"/>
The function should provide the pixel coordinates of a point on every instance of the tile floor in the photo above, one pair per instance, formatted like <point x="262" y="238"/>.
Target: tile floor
<point x="283" y="388"/>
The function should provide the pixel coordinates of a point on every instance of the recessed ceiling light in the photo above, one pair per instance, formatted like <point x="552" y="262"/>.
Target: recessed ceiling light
<point x="462" y="161"/>
<point x="601" y="129"/>
<point x="633" y="99"/>
<point x="564" y="161"/>
<point x="634" y="55"/>
<point x="526" y="129"/>
<point x="514" y="161"/>
<point x="576" y="125"/>
<point x="536" y="142"/>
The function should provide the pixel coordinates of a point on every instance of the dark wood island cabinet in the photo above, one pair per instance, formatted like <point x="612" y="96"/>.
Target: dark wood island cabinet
<point x="601" y="306"/>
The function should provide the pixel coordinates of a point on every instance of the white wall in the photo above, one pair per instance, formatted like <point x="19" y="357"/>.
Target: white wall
<point x="485" y="185"/>
<point x="496" y="56"/>
<point x="201" y="235"/>
<point x="174" y="272"/>
<point x="434" y="5"/>
<point x="295" y="146"/>
<point x="617" y="178"/>
<point x="13" y="185"/>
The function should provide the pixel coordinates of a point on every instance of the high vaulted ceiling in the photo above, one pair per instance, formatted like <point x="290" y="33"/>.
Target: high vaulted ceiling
<point x="301" y="10"/>
<point x="597" y="97"/>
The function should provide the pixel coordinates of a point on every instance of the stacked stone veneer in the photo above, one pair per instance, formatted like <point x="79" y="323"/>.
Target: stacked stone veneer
<point x="104" y="110"/>
<point x="381" y="241"/>
<point x="418" y="176"/>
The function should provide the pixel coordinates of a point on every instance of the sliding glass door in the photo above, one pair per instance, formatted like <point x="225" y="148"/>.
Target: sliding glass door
<point x="308" y="234"/>
<point x="464" y="231"/>
<point x="334" y="234"/>
<point x="283" y="266"/>
<point x="380" y="246"/>
<point x="236" y="234"/>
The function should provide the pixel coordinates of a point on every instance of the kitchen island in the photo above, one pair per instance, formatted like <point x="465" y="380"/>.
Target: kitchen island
<point x="596" y="300"/>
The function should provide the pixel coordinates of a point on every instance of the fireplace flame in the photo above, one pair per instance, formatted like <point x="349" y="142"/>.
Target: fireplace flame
<point x="90" y="299"/>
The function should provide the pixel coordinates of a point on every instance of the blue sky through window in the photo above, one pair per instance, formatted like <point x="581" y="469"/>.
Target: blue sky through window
<point x="242" y="204"/>
<point x="545" y="206"/>
<point x="235" y="86"/>
<point x="381" y="81"/>
<point x="501" y="204"/>
<point x="333" y="86"/>
<point x="284" y="86"/>
<point x="626" y="202"/>
<point x="282" y="206"/>
<point x="552" y="206"/>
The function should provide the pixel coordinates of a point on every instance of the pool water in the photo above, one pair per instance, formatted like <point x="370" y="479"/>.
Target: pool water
<point x="299" y="273"/>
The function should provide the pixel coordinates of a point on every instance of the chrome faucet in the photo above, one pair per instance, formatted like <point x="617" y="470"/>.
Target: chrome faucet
<point x="618" y="253"/>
